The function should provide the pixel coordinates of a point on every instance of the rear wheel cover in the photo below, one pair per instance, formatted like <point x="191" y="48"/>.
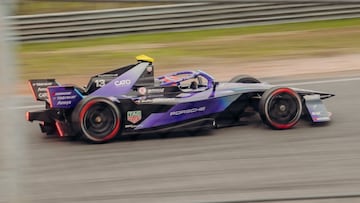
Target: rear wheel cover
<point x="280" y="108"/>
<point x="99" y="120"/>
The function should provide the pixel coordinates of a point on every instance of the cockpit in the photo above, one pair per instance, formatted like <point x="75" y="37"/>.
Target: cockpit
<point x="187" y="81"/>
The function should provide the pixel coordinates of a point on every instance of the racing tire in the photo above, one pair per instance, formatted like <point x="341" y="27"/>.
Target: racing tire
<point x="280" y="108"/>
<point x="97" y="119"/>
<point x="244" y="79"/>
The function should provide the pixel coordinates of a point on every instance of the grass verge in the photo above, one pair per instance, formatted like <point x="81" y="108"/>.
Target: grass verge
<point x="30" y="7"/>
<point x="85" y="57"/>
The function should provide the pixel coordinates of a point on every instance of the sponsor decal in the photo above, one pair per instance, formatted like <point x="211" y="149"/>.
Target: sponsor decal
<point x="149" y="69"/>
<point x="134" y="116"/>
<point x="187" y="111"/>
<point x="42" y="92"/>
<point x="155" y="100"/>
<point x="64" y="98"/>
<point x="316" y="113"/>
<point x="144" y="101"/>
<point x="42" y="95"/>
<point x="132" y="126"/>
<point x="142" y="90"/>
<point x="35" y="84"/>
<point x="41" y="89"/>
<point x="322" y="119"/>
<point x="100" y="83"/>
<point x="163" y="100"/>
<point x="63" y="103"/>
<point x="156" y="91"/>
<point x="62" y="93"/>
<point x="122" y="83"/>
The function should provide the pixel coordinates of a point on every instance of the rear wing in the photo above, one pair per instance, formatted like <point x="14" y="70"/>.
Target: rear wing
<point x="39" y="88"/>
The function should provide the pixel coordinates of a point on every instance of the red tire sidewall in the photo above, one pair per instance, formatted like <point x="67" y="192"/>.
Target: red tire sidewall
<point x="83" y="112"/>
<point x="274" y="93"/>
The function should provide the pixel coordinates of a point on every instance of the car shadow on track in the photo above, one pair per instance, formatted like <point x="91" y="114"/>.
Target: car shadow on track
<point x="165" y="135"/>
<point x="249" y="124"/>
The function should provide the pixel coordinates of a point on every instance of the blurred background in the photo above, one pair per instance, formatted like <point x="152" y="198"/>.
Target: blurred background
<point x="282" y="41"/>
<point x="81" y="38"/>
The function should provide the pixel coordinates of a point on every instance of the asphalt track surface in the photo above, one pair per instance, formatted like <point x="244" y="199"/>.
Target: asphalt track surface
<point x="248" y="163"/>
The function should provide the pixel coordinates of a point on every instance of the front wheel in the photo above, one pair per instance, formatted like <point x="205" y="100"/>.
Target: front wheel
<point x="97" y="119"/>
<point x="280" y="108"/>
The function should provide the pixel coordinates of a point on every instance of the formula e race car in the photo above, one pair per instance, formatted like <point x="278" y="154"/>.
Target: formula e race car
<point x="129" y="100"/>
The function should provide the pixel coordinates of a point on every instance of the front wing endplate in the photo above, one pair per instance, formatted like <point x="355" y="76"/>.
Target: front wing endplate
<point x="316" y="108"/>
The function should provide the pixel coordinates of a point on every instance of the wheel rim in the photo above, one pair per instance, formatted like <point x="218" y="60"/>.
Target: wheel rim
<point x="283" y="109"/>
<point x="99" y="121"/>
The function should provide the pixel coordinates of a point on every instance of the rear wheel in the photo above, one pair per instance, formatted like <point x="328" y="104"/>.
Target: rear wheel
<point x="97" y="119"/>
<point x="244" y="79"/>
<point x="280" y="108"/>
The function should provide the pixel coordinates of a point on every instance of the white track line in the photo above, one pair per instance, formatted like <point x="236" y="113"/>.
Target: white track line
<point x="22" y="107"/>
<point x="324" y="81"/>
<point x="287" y="84"/>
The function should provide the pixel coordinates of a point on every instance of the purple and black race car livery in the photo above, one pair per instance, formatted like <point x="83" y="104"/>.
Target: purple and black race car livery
<point x="129" y="100"/>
